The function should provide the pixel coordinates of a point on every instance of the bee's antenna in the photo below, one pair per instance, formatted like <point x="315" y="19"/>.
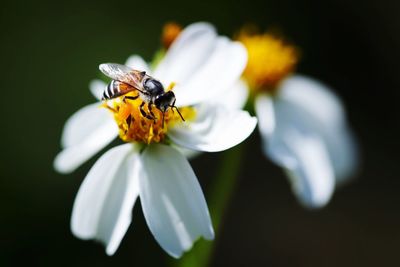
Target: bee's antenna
<point x="178" y="112"/>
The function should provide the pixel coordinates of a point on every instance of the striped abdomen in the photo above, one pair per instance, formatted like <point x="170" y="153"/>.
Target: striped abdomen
<point x="116" y="88"/>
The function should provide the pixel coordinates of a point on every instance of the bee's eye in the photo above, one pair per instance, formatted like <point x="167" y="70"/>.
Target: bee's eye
<point x="165" y="101"/>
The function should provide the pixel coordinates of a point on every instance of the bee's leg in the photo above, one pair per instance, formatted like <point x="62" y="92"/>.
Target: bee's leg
<point x="150" y="106"/>
<point x="130" y="98"/>
<point x="110" y="108"/>
<point x="144" y="114"/>
<point x="172" y="106"/>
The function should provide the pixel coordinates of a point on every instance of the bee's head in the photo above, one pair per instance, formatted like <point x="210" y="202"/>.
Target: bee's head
<point x="164" y="101"/>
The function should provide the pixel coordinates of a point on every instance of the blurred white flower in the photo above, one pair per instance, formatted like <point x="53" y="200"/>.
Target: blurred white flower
<point x="203" y="66"/>
<point x="301" y="122"/>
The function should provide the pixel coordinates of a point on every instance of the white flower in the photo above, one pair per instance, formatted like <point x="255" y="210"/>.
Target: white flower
<point x="304" y="130"/>
<point x="203" y="65"/>
<point x="302" y="123"/>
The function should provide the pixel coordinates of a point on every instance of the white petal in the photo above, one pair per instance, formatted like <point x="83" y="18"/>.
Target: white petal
<point x="172" y="201"/>
<point x="264" y="107"/>
<point x="97" y="88"/>
<point x="85" y="133"/>
<point x="291" y="141"/>
<point x="186" y="152"/>
<point x="312" y="176"/>
<point x="215" y="128"/>
<point x="314" y="97"/>
<point x="343" y="150"/>
<point x="219" y="74"/>
<point x="189" y="51"/>
<point x="137" y="63"/>
<point x="103" y="205"/>
<point x="326" y="109"/>
<point x="233" y="98"/>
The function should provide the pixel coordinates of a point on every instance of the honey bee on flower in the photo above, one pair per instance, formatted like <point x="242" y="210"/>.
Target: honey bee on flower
<point x="150" y="90"/>
<point x="156" y="124"/>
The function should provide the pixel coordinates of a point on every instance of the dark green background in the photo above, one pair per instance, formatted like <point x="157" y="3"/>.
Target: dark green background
<point x="51" y="50"/>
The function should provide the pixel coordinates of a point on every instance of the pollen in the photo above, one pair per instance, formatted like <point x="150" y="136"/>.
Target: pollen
<point x="170" y="32"/>
<point x="136" y="127"/>
<point x="270" y="60"/>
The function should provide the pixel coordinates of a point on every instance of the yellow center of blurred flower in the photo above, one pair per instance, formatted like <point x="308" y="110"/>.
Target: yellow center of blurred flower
<point x="270" y="59"/>
<point x="134" y="127"/>
<point x="170" y="32"/>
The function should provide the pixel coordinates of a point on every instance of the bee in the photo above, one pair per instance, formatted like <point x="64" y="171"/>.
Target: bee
<point x="150" y="90"/>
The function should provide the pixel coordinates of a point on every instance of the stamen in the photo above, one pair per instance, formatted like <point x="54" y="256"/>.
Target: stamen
<point x="145" y="128"/>
<point x="270" y="59"/>
<point x="170" y="86"/>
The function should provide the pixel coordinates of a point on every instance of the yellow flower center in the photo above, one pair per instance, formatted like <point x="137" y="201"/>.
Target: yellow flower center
<point x="134" y="127"/>
<point x="270" y="59"/>
<point x="171" y="30"/>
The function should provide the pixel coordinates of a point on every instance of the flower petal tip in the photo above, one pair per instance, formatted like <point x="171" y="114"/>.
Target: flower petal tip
<point x="201" y="26"/>
<point x="241" y="52"/>
<point x="60" y="166"/>
<point x="97" y="87"/>
<point x="209" y="132"/>
<point x="110" y="250"/>
<point x="210" y="235"/>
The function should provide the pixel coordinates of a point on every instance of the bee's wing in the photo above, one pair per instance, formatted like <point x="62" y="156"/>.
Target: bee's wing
<point x="123" y="74"/>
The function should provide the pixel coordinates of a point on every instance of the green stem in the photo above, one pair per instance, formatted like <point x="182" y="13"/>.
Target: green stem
<point x="220" y="194"/>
